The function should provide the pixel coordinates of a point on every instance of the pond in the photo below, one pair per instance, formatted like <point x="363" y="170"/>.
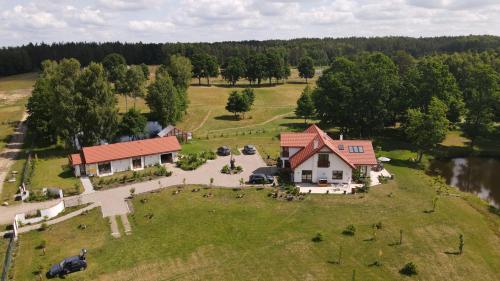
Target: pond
<point x="478" y="175"/>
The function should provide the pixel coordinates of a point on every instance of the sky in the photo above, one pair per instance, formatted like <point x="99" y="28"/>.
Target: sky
<point x="24" y="21"/>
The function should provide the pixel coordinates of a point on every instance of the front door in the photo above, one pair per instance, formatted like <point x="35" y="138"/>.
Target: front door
<point x="166" y="158"/>
<point x="307" y="176"/>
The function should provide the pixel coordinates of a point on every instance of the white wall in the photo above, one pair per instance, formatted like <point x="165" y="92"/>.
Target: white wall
<point x="120" y="165"/>
<point x="151" y="160"/>
<point x="336" y="164"/>
<point x="44" y="214"/>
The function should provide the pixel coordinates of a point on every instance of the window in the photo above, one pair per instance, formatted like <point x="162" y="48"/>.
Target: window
<point x="137" y="163"/>
<point x="356" y="149"/>
<point x="337" y="175"/>
<point x="323" y="161"/>
<point x="285" y="152"/>
<point x="104" y="168"/>
<point x="341" y="147"/>
<point x="307" y="175"/>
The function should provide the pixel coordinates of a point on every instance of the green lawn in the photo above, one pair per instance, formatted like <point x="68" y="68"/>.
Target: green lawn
<point x="52" y="170"/>
<point x="3" y="248"/>
<point x="220" y="238"/>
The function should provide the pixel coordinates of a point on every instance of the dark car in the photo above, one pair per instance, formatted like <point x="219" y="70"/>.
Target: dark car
<point x="223" y="151"/>
<point x="68" y="265"/>
<point x="261" y="178"/>
<point x="249" y="149"/>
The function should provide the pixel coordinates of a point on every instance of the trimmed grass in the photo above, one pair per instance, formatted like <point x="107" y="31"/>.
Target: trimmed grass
<point x="52" y="170"/>
<point x="11" y="188"/>
<point x="3" y="249"/>
<point x="256" y="237"/>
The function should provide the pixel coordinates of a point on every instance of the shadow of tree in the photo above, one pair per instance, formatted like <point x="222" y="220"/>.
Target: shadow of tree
<point x="227" y="117"/>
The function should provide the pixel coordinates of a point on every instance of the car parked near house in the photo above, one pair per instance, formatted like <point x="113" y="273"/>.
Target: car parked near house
<point x="260" y="179"/>
<point x="223" y="151"/>
<point x="249" y="149"/>
<point x="68" y="265"/>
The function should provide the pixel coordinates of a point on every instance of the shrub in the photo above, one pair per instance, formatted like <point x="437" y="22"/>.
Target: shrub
<point x="44" y="226"/>
<point x="190" y="161"/>
<point x="225" y="170"/>
<point x="239" y="169"/>
<point x="377" y="225"/>
<point x="409" y="269"/>
<point x="349" y="230"/>
<point x="317" y="238"/>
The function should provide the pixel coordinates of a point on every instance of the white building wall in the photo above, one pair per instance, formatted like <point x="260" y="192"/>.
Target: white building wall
<point x="121" y="165"/>
<point x="151" y="160"/>
<point x="292" y="151"/>
<point x="336" y="164"/>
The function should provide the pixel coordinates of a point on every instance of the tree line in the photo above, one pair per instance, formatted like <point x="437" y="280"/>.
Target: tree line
<point x="75" y="104"/>
<point x="364" y="94"/>
<point x="26" y="58"/>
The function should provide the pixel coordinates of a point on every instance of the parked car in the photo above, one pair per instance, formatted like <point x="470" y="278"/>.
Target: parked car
<point x="249" y="149"/>
<point x="223" y="151"/>
<point x="260" y="179"/>
<point x="68" y="265"/>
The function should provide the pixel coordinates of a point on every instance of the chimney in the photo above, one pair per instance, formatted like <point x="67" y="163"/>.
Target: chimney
<point x="341" y="137"/>
<point x="315" y="144"/>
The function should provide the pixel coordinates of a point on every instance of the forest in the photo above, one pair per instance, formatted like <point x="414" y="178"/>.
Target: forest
<point x="27" y="58"/>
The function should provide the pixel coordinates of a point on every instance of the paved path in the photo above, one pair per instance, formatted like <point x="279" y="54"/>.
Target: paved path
<point x="126" y="224"/>
<point x="254" y="125"/>
<point x="87" y="185"/>
<point x="9" y="154"/>
<point x="53" y="221"/>
<point x="112" y="201"/>
<point x="115" y="231"/>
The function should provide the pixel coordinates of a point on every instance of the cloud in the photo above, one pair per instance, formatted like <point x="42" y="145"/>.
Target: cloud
<point x="127" y="5"/>
<point x="91" y="16"/>
<point x="150" y="26"/>
<point x="30" y="17"/>
<point x="451" y="4"/>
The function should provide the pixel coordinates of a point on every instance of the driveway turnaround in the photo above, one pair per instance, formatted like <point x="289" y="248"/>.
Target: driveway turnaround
<point x="112" y="201"/>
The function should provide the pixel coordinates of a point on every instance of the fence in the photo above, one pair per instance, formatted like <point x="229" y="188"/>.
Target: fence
<point x="8" y="258"/>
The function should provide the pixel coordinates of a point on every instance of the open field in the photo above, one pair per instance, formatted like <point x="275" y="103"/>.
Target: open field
<point x="20" y="81"/>
<point x="220" y="238"/>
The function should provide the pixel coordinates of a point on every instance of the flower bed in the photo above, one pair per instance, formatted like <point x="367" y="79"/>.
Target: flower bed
<point x="191" y="161"/>
<point x="117" y="179"/>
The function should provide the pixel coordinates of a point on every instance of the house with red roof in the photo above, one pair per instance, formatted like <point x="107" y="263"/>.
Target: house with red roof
<point x="104" y="160"/>
<point x="314" y="157"/>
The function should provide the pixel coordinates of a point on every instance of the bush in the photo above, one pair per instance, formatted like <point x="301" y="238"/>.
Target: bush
<point x="409" y="269"/>
<point x="191" y="161"/>
<point x="44" y="226"/>
<point x="239" y="169"/>
<point x="225" y="170"/>
<point x="317" y="238"/>
<point x="208" y="155"/>
<point x="349" y="230"/>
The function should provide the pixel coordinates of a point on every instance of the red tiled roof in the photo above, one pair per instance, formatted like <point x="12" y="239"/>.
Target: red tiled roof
<point x="76" y="159"/>
<point x="122" y="150"/>
<point x="296" y="139"/>
<point x="367" y="157"/>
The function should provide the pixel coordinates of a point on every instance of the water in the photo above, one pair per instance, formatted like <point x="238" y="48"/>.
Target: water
<point x="478" y="175"/>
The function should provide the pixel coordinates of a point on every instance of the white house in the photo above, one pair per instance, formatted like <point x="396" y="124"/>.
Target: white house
<point x="314" y="157"/>
<point x="104" y="160"/>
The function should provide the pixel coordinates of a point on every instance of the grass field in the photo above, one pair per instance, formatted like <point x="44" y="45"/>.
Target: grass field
<point x="221" y="238"/>
<point x="20" y="81"/>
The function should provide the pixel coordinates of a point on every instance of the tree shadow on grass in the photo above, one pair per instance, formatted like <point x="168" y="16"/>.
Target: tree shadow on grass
<point x="456" y="253"/>
<point x="227" y="118"/>
<point x="66" y="172"/>
<point x="296" y="126"/>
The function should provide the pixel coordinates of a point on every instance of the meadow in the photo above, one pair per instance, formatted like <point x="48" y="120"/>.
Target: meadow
<point x="257" y="237"/>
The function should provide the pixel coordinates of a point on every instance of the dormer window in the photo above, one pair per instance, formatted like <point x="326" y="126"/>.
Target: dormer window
<point x="356" y="149"/>
<point x="341" y="147"/>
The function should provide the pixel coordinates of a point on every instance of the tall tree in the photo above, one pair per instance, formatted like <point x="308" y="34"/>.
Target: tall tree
<point x="97" y="110"/>
<point x="482" y="94"/>
<point x="211" y="68"/>
<point x="113" y="64"/>
<point x="426" y="129"/>
<point x="145" y="70"/>
<point x="255" y="68"/>
<point x="164" y="100"/>
<point x="234" y="69"/>
<point x="181" y="71"/>
<point x="250" y="94"/>
<point x="198" y="61"/>
<point x="135" y="82"/>
<point x="306" y="68"/>
<point x="238" y="102"/>
<point x="404" y="61"/>
<point x="133" y="123"/>
<point x="431" y="78"/>
<point x="355" y="95"/>
<point x="305" y="104"/>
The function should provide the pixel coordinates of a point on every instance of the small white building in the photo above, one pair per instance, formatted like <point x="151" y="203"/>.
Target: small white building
<point x="313" y="157"/>
<point x="104" y="160"/>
